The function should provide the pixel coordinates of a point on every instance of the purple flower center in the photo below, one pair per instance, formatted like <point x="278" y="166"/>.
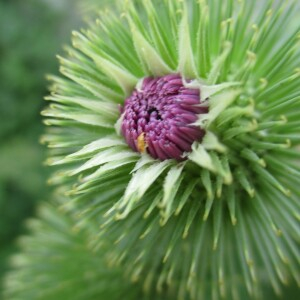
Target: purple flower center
<point x="158" y="118"/>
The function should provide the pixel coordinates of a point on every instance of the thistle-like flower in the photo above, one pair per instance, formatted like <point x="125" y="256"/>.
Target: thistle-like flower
<point x="157" y="118"/>
<point x="176" y="127"/>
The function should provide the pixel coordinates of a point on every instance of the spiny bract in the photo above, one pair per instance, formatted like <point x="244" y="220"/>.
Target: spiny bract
<point x="56" y="263"/>
<point x="226" y="218"/>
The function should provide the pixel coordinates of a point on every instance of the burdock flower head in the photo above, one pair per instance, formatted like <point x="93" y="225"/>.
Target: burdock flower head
<point x="176" y="126"/>
<point x="158" y="118"/>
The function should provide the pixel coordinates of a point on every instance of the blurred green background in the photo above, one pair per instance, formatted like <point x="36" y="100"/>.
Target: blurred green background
<point x="31" y="33"/>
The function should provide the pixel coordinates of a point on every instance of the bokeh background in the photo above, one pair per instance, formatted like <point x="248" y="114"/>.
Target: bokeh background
<point x="31" y="33"/>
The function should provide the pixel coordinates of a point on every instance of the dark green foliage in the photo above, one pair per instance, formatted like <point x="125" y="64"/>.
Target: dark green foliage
<point x="31" y="32"/>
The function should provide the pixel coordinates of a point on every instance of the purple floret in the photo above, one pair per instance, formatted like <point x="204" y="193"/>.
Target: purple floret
<point x="157" y="118"/>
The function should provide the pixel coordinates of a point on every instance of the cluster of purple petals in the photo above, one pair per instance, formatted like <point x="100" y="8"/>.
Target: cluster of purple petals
<point x="158" y="117"/>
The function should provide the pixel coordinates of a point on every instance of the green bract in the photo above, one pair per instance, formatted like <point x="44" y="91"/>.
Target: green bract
<point x="226" y="219"/>
<point x="57" y="264"/>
